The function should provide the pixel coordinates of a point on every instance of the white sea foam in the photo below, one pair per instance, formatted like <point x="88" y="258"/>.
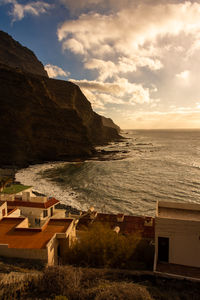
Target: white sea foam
<point x="31" y="176"/>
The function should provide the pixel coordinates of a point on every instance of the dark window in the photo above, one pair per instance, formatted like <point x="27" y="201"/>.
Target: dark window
<point x="45" y="213"/>
<point x="163" y="249"/>
<point x="3" y="212"/>
<point x="51" y="211"/>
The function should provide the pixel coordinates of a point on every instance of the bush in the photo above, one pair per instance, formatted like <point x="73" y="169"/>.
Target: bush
<point x="59" y="280"/>
<point x="121" y="290"/>
<point x="99" y="246"/>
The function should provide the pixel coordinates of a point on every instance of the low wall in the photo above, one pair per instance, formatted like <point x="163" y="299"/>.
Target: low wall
<point x="40" y="254"/>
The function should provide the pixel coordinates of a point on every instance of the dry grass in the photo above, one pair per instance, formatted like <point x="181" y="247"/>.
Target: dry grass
<point x="70" y="283"/>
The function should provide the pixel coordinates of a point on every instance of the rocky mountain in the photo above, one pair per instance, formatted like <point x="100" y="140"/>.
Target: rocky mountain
<point x="41" y="118"/>
<point x="14" y="55"/>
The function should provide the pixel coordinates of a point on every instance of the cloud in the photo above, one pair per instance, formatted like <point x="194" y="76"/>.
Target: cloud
<point x="127" y="37"/>
<point x="55" y="71"/>
<point x="183" y="75"/>
<point x="19" y="11"/>
<point x="120" y="92"/>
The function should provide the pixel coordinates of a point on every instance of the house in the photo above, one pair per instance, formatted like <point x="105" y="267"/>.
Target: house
<point x="48" y="243"/>
<point x="37" y="208"/>
<point x="177" y="239"/>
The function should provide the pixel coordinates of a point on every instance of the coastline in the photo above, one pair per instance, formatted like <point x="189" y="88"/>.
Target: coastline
<point x="33" y="176"/>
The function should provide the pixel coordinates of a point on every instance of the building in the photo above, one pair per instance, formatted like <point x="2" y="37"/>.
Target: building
<point x="37" y="208"/>
<point x="177" y="238"/>
<point x="32" y="228"/>
<point x="141" y="225"/>
<point x="48" y="243"/>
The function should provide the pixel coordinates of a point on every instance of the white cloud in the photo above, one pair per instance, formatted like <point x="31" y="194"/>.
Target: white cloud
<point x="19" y="11"/>
<point x="121" y="91"/>
<point x="126" y="37"/>
<point x="55" y="71"/>
<point x="183" y="75"/>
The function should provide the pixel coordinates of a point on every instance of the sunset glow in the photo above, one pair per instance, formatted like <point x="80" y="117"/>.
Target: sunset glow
<point x="136" y="62"/>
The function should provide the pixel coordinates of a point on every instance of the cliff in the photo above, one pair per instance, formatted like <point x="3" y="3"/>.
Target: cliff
<point x="109" y="123"/>
<point x="41" y="118"/>
<point x="14" y="55"/>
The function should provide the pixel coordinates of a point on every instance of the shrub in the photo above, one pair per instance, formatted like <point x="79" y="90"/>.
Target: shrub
<point x="120" y="290"/>
<point x="99" y="246"/>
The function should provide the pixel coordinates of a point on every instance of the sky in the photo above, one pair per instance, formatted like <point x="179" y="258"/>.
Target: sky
<point x="137" y="62"/>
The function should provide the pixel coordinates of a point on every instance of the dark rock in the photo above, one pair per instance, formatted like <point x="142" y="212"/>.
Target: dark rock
<point x="109" y="123"/>
<point x="16" y="56"/>
<point x="43" y="119"/>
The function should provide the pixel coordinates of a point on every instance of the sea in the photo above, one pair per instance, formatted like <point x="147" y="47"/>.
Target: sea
<point x="129" y="177"/>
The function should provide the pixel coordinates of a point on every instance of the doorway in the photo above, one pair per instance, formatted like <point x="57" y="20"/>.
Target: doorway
<point x="163" y="249"/>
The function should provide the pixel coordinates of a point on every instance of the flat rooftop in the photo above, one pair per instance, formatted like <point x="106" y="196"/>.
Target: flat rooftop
<point x="180" y="211"/>
<point x="27" y="237"/>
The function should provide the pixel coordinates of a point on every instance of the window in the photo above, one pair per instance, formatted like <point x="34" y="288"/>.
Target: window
<point x="3" y="212"/>
<point x="45" y="213"/>
<point x="51" y="211"/>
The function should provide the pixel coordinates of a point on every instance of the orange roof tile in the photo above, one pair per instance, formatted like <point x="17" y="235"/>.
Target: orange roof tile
<point x="30" y="238"/>
<point x="45" y="205"/>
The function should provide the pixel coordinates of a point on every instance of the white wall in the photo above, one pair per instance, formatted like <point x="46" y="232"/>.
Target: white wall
<point x="184" y="240"/>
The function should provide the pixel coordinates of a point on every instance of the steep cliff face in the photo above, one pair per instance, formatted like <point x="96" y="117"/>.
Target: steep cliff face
<point x="109" y="123"/>
<point x="16" y="56"/>
<point x="44" y="119"/>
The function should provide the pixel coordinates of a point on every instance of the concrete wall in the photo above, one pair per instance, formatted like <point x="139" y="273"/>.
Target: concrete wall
<point x="184" y="240"/>
<point x="52" y="251"/>
<point x="38" y="199"/>
<point x="16" y="213"/>
<point x="23" y="224"/>
<point x="6" y="197"/>
<point x="23" y="253"/>
<point x="3" y="207"/>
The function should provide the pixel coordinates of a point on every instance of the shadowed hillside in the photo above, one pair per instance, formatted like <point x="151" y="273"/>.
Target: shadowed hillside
<point x="41" y="118"/>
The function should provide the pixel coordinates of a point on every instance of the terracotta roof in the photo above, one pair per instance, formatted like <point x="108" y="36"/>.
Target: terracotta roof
<point x="30" y="238"/>
<point x="45" y="205"/>
<point x="130" y="224"/>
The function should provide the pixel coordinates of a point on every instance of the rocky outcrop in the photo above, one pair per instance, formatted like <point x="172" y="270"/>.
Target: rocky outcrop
<point x="44" y="119"/>
<point x="13" y="54"/>
<point x="109" y="123"/>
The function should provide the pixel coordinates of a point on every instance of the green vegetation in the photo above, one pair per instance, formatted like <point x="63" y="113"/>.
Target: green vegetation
<point x="99" y="246"/>
<point x="4" y="181"/>
<point x="15" y="188"/>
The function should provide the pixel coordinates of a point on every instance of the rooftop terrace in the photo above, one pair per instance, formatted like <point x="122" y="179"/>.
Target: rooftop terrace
<point x="29" y="238"/>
